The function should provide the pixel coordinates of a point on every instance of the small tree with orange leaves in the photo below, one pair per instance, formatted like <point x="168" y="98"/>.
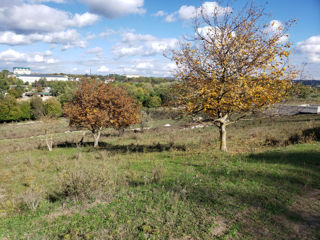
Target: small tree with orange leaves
<point x="233" y="65"/>
<point x="98" y="105"/>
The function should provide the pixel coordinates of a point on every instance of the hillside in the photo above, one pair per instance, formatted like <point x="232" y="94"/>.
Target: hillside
<point x="164" y="183"/>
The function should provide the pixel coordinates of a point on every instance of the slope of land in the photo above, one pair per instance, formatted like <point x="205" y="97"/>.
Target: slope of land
<point x="164" y="183"/>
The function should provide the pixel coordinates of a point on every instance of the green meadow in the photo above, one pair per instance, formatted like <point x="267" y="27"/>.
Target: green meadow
<point x="163" y="183"/>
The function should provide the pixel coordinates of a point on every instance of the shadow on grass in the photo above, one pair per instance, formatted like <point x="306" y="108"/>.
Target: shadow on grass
<point x="304" y="159"/>
<point x="156" y="147"/>
<point x="266" y="194"/>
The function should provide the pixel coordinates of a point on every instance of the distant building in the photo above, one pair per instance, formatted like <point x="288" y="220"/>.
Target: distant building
<point x="21" y="70"/>
<point x="133" y="76"/>
<point x="36" y="77"/>
<point x="109" y="80"/>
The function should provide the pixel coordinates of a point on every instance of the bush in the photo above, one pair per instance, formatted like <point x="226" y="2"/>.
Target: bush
<point x="31" y="199"/>
<point x="25" y="111"/>
<point x="80" y="184"/>
<point x="9" y="109"/>
<point x="16" y="92"/>
<point x="37" y="107"/>
<point x="53" y="108"/>
<point x="67" y="96"/>
<point x="153" y="101"/>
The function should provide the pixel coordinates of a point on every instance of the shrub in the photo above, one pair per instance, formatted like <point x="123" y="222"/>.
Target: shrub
<point x="53" y="108"/>
<point x="153" y="101"/>
<point x="37" y="107"/>
<point x="25" y="111"/>
<point x="16" y="92"/>
<point x="9" y="109"/>
<point x="80" y="184"/>
<point x="31" y="199"/>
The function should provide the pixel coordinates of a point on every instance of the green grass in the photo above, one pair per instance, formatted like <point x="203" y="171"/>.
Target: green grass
<point x="143" y="186"/>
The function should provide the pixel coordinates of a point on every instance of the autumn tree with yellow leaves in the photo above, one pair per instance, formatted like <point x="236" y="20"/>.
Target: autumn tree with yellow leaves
<point x="97" y="105"/>
<point x="234" y="64"/>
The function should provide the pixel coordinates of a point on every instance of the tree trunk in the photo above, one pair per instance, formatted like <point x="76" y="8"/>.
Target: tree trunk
<point x="49" y="140"/>
<point x="223" y="137"/>
<point x="96" y="137"/>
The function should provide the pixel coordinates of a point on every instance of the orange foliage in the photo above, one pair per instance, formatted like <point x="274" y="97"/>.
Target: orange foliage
<point x="98" y="105"/>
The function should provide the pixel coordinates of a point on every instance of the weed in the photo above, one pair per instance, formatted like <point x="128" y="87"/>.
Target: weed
<point x="80" y="184"/>
<point x="31" y="199"/>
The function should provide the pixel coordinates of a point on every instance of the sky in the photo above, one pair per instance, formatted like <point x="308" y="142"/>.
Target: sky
<point x="129" y="36"/>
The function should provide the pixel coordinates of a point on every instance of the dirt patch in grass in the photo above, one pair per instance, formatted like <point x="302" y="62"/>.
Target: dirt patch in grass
<point x="220" y="226"/>
<point x="307" y="210"/>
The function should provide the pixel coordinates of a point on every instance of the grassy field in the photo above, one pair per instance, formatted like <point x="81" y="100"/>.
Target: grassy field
<point x="164" y="183"/>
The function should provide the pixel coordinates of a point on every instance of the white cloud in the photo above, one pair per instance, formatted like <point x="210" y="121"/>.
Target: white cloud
<point x="147" y="67"/>
<point x="132" y="37"/>
<point x="69" y="38"/>
<point x="115" y="8"/>
<point x="48" y="53"/>
<point x="98" y="51"/>
<point x="144" y="65"/>
<point x="211" y="34"/>
<point x="209" y="31"/>
<point x="160" y="14"/>
<point x="187" y="12"/>
<point x="107" y="33"/>
<point x="103" y="69"/>
<point x="40" y="1"/>
<point x="142" y="44"/>
<point x="52" y="60"/>
<point x="8" y="3"/>
<point x="12" y="56"/>
<point x="38" y="18"/>
<point x="170" y="18"/>
<point x="191" y="12"/>
<point x="311" y="48"/>
<point x="276" y="28"/>
<point x="82" y="20"/>
<point x="210" y="8"/>
<point x="95" y="50"/>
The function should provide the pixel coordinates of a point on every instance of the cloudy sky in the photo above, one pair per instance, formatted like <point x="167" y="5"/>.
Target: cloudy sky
<point x="127" y="36"/>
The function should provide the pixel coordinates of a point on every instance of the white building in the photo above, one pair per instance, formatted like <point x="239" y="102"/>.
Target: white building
<point x="37" y="77"/>
<point x="21" y="70"/>
<point x="133" y="76"/>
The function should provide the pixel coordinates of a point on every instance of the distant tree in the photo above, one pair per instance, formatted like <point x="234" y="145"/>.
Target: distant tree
<point x="4" y="74"/>
<point x="98" y="105"/>
<point x="37" y="108"/>
<point x="9" y="109"/>
<point x="52" y="108"/>
<point x="4" y="84"/>
<point x="25" y="110"/>
<point x="17" y="91"/>
<point x="42" y="82"/>
<point x="234" y="64"/>
<point x="67" y="95"/>
<point x="153" y="101"/>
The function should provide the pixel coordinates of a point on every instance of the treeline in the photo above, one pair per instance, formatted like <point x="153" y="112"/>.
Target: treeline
<point x="302" y="91"/>
<point x="152" y="80"/>
<point x="5" y="83"/>
<point x="63" y="91"/>
<point x="13" y="110"/>
<point x="149" y="92"/>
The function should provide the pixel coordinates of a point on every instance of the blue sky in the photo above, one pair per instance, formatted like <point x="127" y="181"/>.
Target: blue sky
<point x="128" y="36"/>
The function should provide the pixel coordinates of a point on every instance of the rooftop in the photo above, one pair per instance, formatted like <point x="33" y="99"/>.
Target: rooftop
<point x="40" y="75"/>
